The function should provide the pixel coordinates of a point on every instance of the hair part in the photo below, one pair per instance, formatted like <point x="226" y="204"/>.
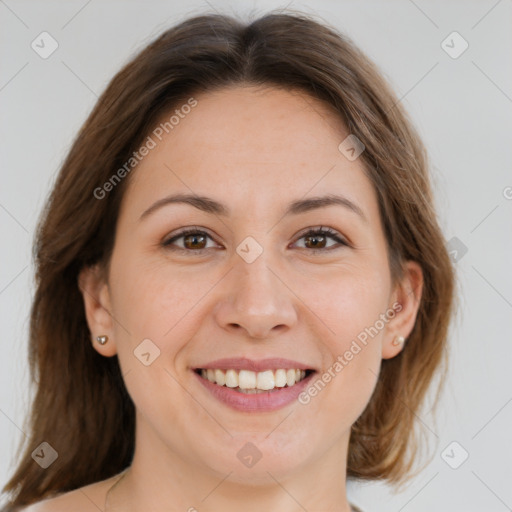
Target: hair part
<point x="81" y="394"/>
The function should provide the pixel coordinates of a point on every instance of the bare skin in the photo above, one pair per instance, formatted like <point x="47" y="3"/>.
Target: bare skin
<point x="255" y="150"/>
<point x="89" y="498"/>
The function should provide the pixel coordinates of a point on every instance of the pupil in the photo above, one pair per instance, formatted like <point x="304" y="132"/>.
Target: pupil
<point x="188" y="239"/>
<point x="315" y="244"/>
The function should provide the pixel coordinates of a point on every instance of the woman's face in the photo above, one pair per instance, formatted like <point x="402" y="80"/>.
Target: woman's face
<point x="250" y="283"/>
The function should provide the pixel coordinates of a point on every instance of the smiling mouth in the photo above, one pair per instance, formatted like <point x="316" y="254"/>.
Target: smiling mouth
<point x="249" y="382"/>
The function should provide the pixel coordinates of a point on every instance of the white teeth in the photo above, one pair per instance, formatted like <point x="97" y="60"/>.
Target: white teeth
<point x="231" y="379"/>
<point x="220" y="377"/>
<point x="280" y="378"/>
<point x="265" y="380"/>
<point x="247" y="381"/>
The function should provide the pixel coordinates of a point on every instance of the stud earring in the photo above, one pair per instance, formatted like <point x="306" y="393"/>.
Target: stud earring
<point x="102" y="339"/>
<point x="398" y="340"/>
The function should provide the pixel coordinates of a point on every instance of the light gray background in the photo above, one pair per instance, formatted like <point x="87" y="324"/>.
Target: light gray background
<point x="462" y="108"/>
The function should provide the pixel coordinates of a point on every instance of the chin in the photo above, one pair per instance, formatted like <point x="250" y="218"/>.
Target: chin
<point x="250" y="458"/>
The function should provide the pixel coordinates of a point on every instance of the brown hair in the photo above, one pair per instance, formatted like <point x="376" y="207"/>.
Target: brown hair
<point x="81" y="407"/>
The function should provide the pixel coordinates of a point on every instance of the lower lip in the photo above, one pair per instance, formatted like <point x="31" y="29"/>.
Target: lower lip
<point x="261" y="402"/>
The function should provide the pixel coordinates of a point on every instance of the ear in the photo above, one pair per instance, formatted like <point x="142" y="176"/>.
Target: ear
<point x="405" y="301"/>
<point x="96" y="295"/>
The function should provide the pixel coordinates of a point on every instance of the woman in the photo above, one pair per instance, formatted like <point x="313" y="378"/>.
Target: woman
<point x="243" y="290"/>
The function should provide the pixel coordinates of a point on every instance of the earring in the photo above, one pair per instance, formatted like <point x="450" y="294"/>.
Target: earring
<point x="398" y="340"/>
<point x="102" y="339"/>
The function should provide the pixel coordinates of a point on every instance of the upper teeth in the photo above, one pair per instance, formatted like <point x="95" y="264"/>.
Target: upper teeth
<point x="246" y="379"/>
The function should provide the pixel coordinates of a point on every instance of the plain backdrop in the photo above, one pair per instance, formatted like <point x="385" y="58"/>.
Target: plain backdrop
<point x="462" y="108"/>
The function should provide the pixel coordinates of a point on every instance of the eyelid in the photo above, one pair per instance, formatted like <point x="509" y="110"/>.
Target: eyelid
<point x="327" y="232"/>
<point x="311" y="231"/>
<point x="187" y="231"/>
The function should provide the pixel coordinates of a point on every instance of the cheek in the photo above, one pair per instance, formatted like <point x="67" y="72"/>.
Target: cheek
<point x="152" y="303"/>
<point x="353" y="306"/>
<point x="347" y="300"/>
<point x="151" y="300"/>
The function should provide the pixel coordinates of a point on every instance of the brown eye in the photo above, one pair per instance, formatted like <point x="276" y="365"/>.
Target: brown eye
<point x="318" y="239"/>
<point x="195" y="241"/>
<point x="315" y="241"/>
<point x="190" y="240"/>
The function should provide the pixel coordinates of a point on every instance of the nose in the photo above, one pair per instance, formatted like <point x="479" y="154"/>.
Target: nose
<point x="256" y="301"/>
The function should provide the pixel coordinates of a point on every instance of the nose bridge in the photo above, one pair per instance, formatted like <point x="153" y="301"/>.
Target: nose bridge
<point x="257" y="300"/>
<point x="257" y="282"/>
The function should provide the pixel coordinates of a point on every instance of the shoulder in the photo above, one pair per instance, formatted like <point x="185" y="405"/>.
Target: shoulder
<point x="89" y="498"/>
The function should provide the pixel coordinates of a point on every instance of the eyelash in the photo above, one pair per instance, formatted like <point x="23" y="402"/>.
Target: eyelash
<point x="321" y="231"/>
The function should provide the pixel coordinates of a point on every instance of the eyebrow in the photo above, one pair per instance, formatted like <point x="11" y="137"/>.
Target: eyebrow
<point x="209" y="205"/>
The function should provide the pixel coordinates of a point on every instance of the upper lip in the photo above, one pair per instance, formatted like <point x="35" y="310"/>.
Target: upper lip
<point x="243" y="363"/>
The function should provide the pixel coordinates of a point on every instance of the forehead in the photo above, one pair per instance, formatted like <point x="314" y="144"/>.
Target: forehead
<point x="259" y="124"/>
<point x="250" y="146"/>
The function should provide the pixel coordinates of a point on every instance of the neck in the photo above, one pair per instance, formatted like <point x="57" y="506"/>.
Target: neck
<point x="162" y="479"/>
